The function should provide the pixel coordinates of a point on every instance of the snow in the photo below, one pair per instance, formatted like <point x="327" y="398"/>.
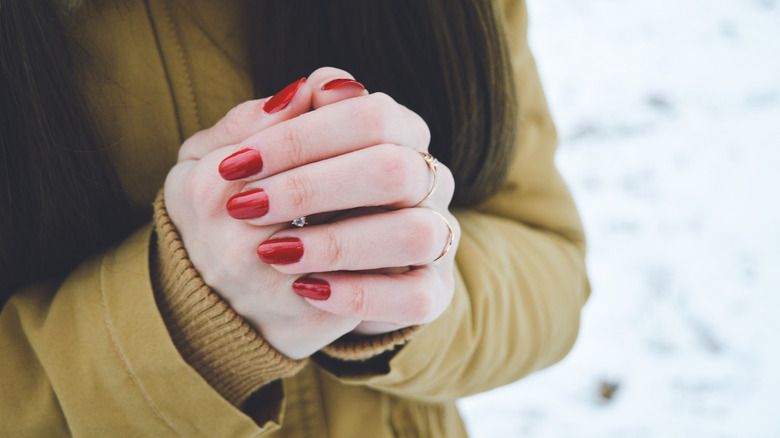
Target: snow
<point x="669" y="119"/>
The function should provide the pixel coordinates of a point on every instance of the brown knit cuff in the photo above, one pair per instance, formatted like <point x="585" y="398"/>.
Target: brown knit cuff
<point x="217" y="342"/>
<point x="352" y="349"/>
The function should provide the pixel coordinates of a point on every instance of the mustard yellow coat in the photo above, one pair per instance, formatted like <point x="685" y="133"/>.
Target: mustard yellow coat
<point x="125" y="347"/>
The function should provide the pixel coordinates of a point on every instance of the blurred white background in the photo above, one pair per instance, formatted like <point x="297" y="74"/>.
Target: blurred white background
<point x="669" y="119"/>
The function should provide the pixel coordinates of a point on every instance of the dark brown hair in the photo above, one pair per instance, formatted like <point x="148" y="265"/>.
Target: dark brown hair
<point x="60" y="200"/>
<point x="446" y="60"/>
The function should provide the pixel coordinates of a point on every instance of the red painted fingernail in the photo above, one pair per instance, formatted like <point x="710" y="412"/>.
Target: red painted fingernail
<point x="280" y="100"/>
<point x="281" y="251"/>
<point x="336" y="83"/>
<point x="248" y="205"/>
<point x="242" y="164"/>
<point x="312" y="288"/>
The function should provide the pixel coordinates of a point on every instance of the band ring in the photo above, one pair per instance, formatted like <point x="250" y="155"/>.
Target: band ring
<point x="451" y="239"/>
<point x="433" y="164"/>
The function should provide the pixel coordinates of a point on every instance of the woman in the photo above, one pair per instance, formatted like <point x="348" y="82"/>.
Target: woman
<point x="220" y="318"/>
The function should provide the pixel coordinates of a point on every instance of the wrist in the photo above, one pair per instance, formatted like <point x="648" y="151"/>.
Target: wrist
<point x="215" y="340"/>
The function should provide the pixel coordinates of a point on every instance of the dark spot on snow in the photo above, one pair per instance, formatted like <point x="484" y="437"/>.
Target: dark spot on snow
<point x="706" y="336"/>
<point x="659" y="280"/>
<point x="528" y="422"/>
<point x="633" y="129"/>
<point x="757" y="100"/>
<point x="591" y="183"/>
<point x="639" y="184"/>
<point x="661" y="346"/>
<point x="659" y="102"/>
<point x="700" y="386"/>
<point x="589" y="129"/>
<point x="607" y="390"/>
<point x="585" y="130"/>
<point x="624" y="226"/>
<point x="749" y="268"/>
<point x="728" y="29"/>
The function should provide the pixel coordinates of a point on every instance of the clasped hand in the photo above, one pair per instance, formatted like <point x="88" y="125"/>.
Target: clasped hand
<point x="351" y="162"/>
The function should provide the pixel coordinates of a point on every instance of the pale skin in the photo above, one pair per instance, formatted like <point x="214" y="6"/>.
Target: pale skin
<point x="327" y="151"/>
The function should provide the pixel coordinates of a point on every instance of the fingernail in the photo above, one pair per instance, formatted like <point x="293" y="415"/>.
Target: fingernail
<point x="248" y="205"/>
<point x="280" y="100"/>
<point x="336" y="83"/>
<point x="242" y="164"/>
<point x="312" y="288"/>
<point x="281" y="251"/>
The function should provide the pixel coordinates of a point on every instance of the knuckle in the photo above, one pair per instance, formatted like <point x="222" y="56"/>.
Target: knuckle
<point x="422" y="130"/>
<point x="232" y="126"/>
<point x="375" y="114"/>
<point x="222" y="268"/>
<point x="202" y="198"/>
<point x="194" y="187"/>
<point x="189" y="149"/>
<point x="393" y="172"/>
<point x="333" y="245"/>
<point x="446" y="183"/>
<point x="419" y="241"/>
<point x="356" y="303"/>
<point x="301" y="192"/>
<point x="294" y="139"/>
<point x="449" y="286"/>
<point x="420" y="307"/>
<point x="383" y="99"/>
<point x="235" y="120"/>
<point x="325" y="73"/>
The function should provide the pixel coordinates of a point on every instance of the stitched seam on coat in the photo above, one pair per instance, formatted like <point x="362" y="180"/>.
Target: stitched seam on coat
<point x="183" y="62"/>
<point x="123" y="358"/>
<point x="310" y="406"/>
<point x="165" y="68"/>
<point x="320" y="404"/>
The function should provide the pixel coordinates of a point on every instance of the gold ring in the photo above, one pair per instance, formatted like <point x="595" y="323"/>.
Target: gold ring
<point x="433" y="164"/>
<point x="451" y="238"/>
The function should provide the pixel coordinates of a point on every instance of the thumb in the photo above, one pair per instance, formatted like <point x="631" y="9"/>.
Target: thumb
<point x="247" y="119"/>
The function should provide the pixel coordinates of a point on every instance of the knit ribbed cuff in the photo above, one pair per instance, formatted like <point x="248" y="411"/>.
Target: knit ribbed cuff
<point x="217" y="342"/>
<point x="351" y="349"/>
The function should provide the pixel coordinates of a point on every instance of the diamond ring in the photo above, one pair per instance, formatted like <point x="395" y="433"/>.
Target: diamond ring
<point x="301" y="221"/>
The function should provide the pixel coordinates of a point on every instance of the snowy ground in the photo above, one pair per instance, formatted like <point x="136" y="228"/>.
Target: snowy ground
<point x="669" y="118"/>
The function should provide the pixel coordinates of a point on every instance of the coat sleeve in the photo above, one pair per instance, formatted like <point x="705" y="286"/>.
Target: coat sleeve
<point x="520" y="270"/>
<point x="92" y="355"/>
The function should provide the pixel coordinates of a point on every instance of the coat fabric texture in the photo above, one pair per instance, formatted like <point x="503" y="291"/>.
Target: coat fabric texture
<point x="133" y="343"/>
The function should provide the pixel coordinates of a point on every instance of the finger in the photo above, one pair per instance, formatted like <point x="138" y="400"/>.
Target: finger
<point x="330" y="85"/>
<point x="247" y="119"/>
<point x="416" y="297"/>
<point x="407" y="237"/>
<point x="384" y="175"/>
<point x="372" y="328"/>
<point x="336" y="129"/>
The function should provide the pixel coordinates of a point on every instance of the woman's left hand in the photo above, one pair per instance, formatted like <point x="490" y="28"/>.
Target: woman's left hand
<point x="383" y="261"/>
